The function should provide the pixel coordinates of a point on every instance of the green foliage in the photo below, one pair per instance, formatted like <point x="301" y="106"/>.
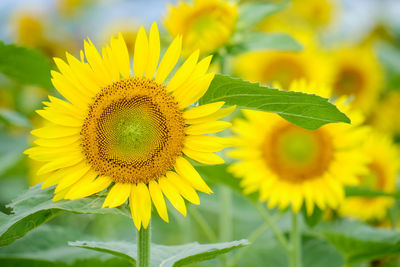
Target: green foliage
<point x="12" y="117"/>
<point x="48" y="246"/>
<point x="314" y="218"/>
<point x="304" y="110"/>
<point x="11" y="148"/>
<point x="259" y="41"/>
<point x="36" y="207"/>
<point x="25" y="65"/>
<point x="166" y="256"/>
<point x="355" y="191"/>
<point x="253" y="13"/>
<point x="359" y="242"/>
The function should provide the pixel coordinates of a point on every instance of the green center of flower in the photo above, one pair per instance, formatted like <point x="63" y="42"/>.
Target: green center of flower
<point x="375" y="178"/>
<point x="134" y="131"/>
<point x="284" y="71"/>
<point x="296" y="154"/>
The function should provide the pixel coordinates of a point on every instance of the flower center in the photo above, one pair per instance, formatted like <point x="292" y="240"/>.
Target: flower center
<point x="134" y="131"/>
<point x="375" y="179"/>
<point x="284" y="71"/>
<point x="349" y="82"/>
<point x="296" y="154"/>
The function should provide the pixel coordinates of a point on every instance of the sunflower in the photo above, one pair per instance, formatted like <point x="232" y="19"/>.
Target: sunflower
<point x="358" y="74"/>
<point x="206" y="25"/>
<point x="385" y="117"/>
<point x="383" y="169"/>
<point x="289" y="165"/>
<point x="129" y="133"/>
<point x="285" y="66"/>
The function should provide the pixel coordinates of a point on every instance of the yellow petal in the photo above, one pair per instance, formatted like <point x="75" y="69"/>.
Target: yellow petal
<point x="205" y="128"/>
<point x="56" y="176"/>
<point x="86" y="179"/>
<point x="55" y="131"/>
<point x="154" y="51"/>
<point x="57" y="142"/>
<point x="101" y="183"/>
<point x="203" y="157"/>
<point x="203" y="110"/>
<point x="187" y="171"/>
<point x="158" y="200"/>
<point x="96" y="62"/>
<point x="134" y="204"/>
<point x="205" y="143"/>
<point x="66" y="161"/>
<point x="183" y="187"/>
<point x="141" y="54"/>
<point x="60" y="119"/>
<point x="194" y="90"/>
<point x="172" y="194"/>
<point x="60" y="195"/>
<point x="183" y="73"/>
<point x="71" y="178"/>
<point x="222" y="113"/>
<point x="169" y="60"/>
<point x="120" y="50"/>
<point x="144" y="200"/>
<point x="118" y="194"/>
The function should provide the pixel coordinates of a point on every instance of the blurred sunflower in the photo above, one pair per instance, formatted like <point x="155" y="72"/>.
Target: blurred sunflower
<point x="385" y="117"/>
<point x="129" y="132"/>
<point x="383" y="168"/>
<point x="289" y="165"/>
<point x="206" y="25"/>
<point x="284" y="67"/>
<point x="358" y="74"/>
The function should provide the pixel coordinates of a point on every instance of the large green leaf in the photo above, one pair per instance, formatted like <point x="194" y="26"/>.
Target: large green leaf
<point x="253" y="13"/>
<point x="165" y="256"/>
<point x="48" y="246"/>
<point x="305" y="110"/>
<point x="25" y="65"/>
<point x="359" y="242"/>
<point x="259" y="41"/>
<point x="355" y="191"/>
<point x="36" y="207"/>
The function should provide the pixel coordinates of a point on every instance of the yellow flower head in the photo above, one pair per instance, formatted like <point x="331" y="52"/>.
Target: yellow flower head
<point x="285" y="66"/>
<point x="289" y="165"/>
<point x="206" y="25"/>
<point x="385" y="117"/>
<point x="128" y="132"/>
<point x="358" y="74"/>
<point x="28" y="28"/>
<point x="383" y="169"/>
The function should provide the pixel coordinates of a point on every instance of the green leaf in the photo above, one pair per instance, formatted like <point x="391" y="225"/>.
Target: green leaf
<point x="304" y="110"/>
<point x="165" y="256"/>
<point x="314" y="218"/>
<point x="25" y="65"/>
<point x="317" y="253"/>
<point x="35" y="207"/>
<point x="259" y="41"/>
<point x="14" y="118"/>
<point x="355" y="191"/>
<point x="359" y="242"/>
<point x="11" y="148"/>
<point x="48" y="246"/>
<point x="253" y="13"/>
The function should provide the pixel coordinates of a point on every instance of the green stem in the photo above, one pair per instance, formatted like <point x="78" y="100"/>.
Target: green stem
<point x="278" y="234"/>
<point x="295" y="255"/>
<point x="225" y="218"/>
<point x="143" y="247"/>
<point x="204" y="226"/>
<point x="252" y="238"/>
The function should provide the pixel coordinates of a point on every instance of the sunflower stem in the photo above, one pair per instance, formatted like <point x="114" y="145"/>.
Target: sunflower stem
<point x="202" y="223"/>
<point x="278" y="234"/>
<point x="143" y="247"/>
<point x="225" y="218"/>
<point x="295" y="255"/>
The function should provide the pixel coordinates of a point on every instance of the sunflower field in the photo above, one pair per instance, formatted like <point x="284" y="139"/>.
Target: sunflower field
<point x="200" y="133"/>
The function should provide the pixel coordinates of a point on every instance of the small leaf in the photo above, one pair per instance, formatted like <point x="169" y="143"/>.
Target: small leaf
<point x="14" y="118"/>
<point x="259" y="41"/>
<point x="253" y="13"/>
<point x="35" y="207"/>
<point x="314" y="218"/>
<point x="25" y="65"/>
<point x="360" y="242"/>
<point x="304" y="110"/>
<point x="164" y="256"/>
